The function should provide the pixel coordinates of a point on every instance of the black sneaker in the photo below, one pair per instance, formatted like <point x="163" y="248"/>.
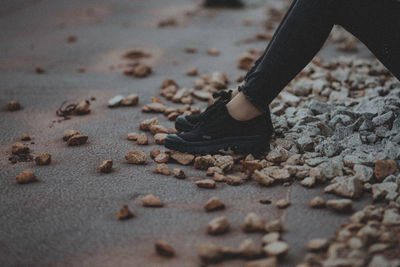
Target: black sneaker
<point x="185" y="123"/>
<point x="218" y="130"/>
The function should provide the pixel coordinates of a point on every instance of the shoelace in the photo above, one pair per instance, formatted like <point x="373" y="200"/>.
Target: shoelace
<point x="223" y="95"/>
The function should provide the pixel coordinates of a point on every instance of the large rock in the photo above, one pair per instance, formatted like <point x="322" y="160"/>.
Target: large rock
<point x="350" y="187"/>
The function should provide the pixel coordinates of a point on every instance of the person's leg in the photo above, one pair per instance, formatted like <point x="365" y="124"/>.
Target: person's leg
<point x="300" y="36"/>
<point x="377" y="25"/>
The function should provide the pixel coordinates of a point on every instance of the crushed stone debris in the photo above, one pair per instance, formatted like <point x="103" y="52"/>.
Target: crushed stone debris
<point x="136" y="157"/>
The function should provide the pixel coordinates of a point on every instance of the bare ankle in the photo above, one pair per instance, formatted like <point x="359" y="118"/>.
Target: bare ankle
<point x="241" y="109"/>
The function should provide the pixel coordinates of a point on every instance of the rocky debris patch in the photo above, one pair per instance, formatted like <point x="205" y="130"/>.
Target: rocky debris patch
<point x="124" y="213"/>
<point x="182" y="158"/>
<point x="19" y="149"/>
<point x="145" y="125"/>
<point x="164" y="249"/>
<point x="20" y="153"/>
<point x="43" y="159"/>
<point x="217" y="226"/>
<point x="120" y="100"/>
<point x="26" y="177"/>
<point x="151" y="201"/>
<point x="13" y="106"/>
<point x="77" y="140"/>
<point x="69" y="108"/>
<point x="214" y="203"/>
<point x="369" y="238"/>
<point x="106" y="166"/>
<point x="136" y="157"/>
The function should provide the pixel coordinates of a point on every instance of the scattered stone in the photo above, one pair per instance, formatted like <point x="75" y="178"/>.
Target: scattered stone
<point x="384" y="190"/>
<point x="214" y="203"/>
<point x="278" y="155"/>
<point x="164" y="249"/>
<point x="383" y="168"/>
<point x="140" y="70"/>
<point x="132" y="136"/>
<point x="82" y="108"/>
<point x="162" y="168"/>
<point x="253" y="223"/>
<point x="267" y="262"/>
<point x="245" y="61"/>
<point x="25" y="137"/>
<point x="219" y="177"/>
<point x="77" y="140"/>
<point x="192" y="71"/>
<point x="317" y="244"/>
<point x="178" y="173"/>
<point x="262" y="177"/>
<point x="26" y="177"/>
<point x="308" y="182"/>
<point x="219" y="225"/>
<point x="145" y="125"/>
<point x="142" y="139"/>
<point x="136" y="157"/>
<point x="212" y="170"/>
<point x="225" y="163"/>
<point x="351" y="187"/>
<point x="182" y="158"/>
<point x="160" y="138"/>
<point x="274" y="226"/>
<point x="130" y="100"/>
<point x="209" y="253"/>
<point x="270" y="238"/>
<point x="155" y="129"/>
<point x="213" y="52"/>
<point x="69" y="133"/>
<point x="341" y="205"/>
<point x="124" y="213"/>
<point x="13" y="106"/>
<point x="282" y="203"/>
<point x="317" y="202"/>
<point x="19" y="149"/>
<point x="250" y="249"/>
<point x="151" y="201"/>
<point x="154" y="153"/>
<point x="162" y="157"/>
<point x="206" y="183"/>
<point x="43" y="159"/>
<point x="276" y="248"/>
<point x="190" y="49"/>
<point x="233" y="180"/>
<point x="115" y="101"/>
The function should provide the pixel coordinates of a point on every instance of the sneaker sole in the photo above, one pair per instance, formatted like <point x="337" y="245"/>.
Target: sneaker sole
<point x="242" y="144"/>
<point x="183" y="125"/>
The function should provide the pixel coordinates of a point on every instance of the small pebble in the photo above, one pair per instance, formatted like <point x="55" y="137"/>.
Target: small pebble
<point x="164" y="249"/>
<point x="206" y="183"/>
<point x="151" y="201"/>
<point x="136" y="157"/>
<point x="43" y="159"/>
<point x="124" y="213"/>
<point x="25" y="177"/>
<point x="77" y="140"/>
<point x="178" y="173"/>
<point x="214" y="203"/>
<point x="106" y="166"/>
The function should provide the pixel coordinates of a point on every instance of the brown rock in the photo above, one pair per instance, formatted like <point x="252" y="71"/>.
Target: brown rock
<point x="192" y="72"/>
<point x="341" y="205"/>
<point x="190" y="49"/>
<point x="155" y="107"/>
<point x="213" y="52"/>
<point x="384" y="168"/>
<point x="276" y="248"/>
<point x="178" y="173"/>
<point x="204" y="162"/>
<point x="25" y="137"/>
<point x="224" y="162"/>
<point x="209" y="253"/>
<point x="274" y="226"/>
<point x="206" y="183"/>
<point x="245" y="61"/>
<point x="106" y="166"/>
<point x="219" y="225"/>
<point x="162" y="168"/>
<point x="250" y="249"/>
<point x="317" y="244"/>
<point x="82" y="108"/>
<point x="130" y="100"/>
<point x="13" y="106"/>
<point x="160" y="138"/>
<point x="19" y="149"/>
<point x="132" y="136"/>
<point x="26" y="177"/>
<point x="155" y="129"/>
<point x="136" y="157"/>
<point x="214" y="203"/>
<point x="253" y="223"/>
<point x="154" y="153"/>
<point x="282" y="203"/>
<point x="182" y="158"/>
<point x="267" y="262"/>
<point x="262" y="177"/>
<point x="142" y="139"/>
<point x="151" y="201"/>
<point x="233" y="180"/>
<point x="69" y="133"/>
<point x="317" y="202"/>
<point x="270" y="238"/>
<point x="162" y="157"/>
<point x="173" y="115"/>
<point x="168" y="82"/>
<point x="40" y="70"/>
<point x="141" y="70"/>
<point x="145" y="125"/>
<point x="77" y="140"/>
<point x="278" y="155"/>
<point x="43" y="159"/>
<point x="219" y="177"/>
<point x="250" y="166"/>
<point x="124" y="213"/>
<point x="308" y="182"/>
<point x="164" y="249"/>
<point x="212" y="170"/>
